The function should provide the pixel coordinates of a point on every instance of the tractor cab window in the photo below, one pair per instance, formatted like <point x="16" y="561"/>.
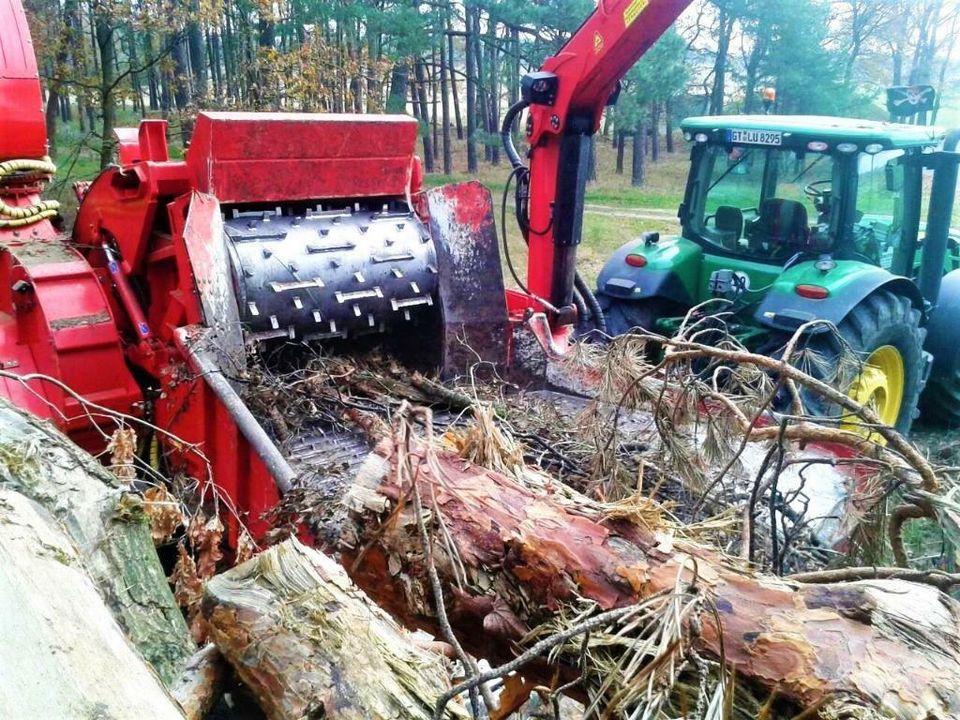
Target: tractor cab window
<point x="878" y="227"/>
<point x="765" y="203"/>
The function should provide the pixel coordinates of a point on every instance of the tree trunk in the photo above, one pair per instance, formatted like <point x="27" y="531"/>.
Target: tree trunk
<point x="655" y="132"/>
<point x="181" y="69"/>
<point x="108" y="529"/>
<point x="724" y="33"/>
<point x="493" y="103"/>
<point x="399" y="77"/>
<point x="63" y="654"/>
<point x="451" y="64"/>
<point x="445" y="112"/>
<point x="103" y="34"/>
<point x="198" y="57"/>
<point x="621" y="144"/>
<point x="200" y="686"/>
<point x="592" y="160"/>
<point x="668" y="122"/>
<point x="420" y="98"/>
<point x="638" y="161"/>
<point x="514" y="556"/>
<point x="309" y="644"/>
<point x="471" y="62"/>
<point x="153" y="82"/>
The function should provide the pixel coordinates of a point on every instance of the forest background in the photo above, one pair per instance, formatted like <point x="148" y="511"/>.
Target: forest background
<point x="456" y="66"/>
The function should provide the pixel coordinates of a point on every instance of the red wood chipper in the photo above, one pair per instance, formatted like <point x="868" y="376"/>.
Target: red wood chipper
<point x="290" y="230"/>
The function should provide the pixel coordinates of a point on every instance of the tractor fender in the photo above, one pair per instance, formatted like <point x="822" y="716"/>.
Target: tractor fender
<point x="942" y="327"/>
<point x="848" y="283"/>
<point x="671" y="270"/>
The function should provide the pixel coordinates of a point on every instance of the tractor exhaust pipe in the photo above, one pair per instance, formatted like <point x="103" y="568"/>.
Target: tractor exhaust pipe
<point x="942" y="193"/>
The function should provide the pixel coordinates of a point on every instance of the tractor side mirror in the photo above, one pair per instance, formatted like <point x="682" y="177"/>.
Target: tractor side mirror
<point x="893" y="176"/>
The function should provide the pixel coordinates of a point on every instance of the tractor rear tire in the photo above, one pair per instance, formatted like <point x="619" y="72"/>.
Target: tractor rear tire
<point x="881" y="320"/>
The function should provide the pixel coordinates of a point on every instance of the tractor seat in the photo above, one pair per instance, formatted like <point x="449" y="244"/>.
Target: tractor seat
<point x="780" y="222"/>
<point x="729" y="223"/>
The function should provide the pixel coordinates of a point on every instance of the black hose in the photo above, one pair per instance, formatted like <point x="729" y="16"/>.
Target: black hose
<point x="581" y="305"/>
<point x="599" y="320"/>
<point x="506" y="133"/>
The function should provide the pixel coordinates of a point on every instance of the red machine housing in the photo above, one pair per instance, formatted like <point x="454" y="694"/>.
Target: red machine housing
<point x="121" y="325"/>
<point x="23" y="131"/>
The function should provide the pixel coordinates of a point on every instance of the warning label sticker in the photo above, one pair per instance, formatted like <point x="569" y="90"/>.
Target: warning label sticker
<point x="632" y="11"/>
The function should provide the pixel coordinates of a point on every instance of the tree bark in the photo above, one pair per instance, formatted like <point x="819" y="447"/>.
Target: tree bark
<point x="63" y="654"/>
<point x="200" y="685"/>
<point x="526" y="554"/>
<point x="108" y="528"/>
<point x="307" y="643"/>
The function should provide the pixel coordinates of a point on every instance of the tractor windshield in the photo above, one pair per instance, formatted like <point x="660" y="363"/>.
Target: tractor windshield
<point x="765" y="203"/>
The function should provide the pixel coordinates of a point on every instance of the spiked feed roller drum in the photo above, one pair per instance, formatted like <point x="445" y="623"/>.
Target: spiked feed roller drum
<point x="330" y="273"/>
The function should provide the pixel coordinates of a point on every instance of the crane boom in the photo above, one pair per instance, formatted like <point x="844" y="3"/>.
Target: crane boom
<point x="566" y="99"/>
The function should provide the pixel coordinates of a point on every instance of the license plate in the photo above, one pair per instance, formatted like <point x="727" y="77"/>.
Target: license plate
<point x="755" y="137"/>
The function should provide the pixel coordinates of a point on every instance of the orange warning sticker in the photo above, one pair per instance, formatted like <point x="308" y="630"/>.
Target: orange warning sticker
<point x="597" y="43"/>
<point x="633" y="11"/>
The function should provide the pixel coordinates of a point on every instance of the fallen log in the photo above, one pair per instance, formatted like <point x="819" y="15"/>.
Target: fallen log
<point x="109" y="529"/>
<point x="307" y="643"/>
<point x="63" y="654"/>
<point x="200" y="685"/>
<point x="514" y="556"/>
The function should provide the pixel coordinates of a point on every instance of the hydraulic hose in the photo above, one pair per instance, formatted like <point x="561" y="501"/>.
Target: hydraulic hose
<point x="506" y="133"/>
<point x="599" y="319"/>
<point x="581" y="305"/>
<point x="14" y="216"/>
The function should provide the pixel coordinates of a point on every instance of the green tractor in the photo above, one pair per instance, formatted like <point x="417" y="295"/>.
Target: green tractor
<point x="794" y="219"/>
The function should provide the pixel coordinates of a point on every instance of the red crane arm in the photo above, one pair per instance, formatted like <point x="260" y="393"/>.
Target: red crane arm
<point x="566" y="101"/>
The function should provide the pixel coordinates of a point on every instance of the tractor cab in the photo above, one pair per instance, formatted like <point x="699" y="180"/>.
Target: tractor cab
<point x="795" y="222"/>
<point x="769" y="189"/>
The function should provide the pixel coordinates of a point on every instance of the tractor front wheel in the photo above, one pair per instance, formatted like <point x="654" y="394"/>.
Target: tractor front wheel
<point x="877" y="360"/>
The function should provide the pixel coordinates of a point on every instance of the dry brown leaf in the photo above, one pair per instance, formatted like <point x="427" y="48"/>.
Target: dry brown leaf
<point x="123" y="452"/>
<point x="516" y="691"/>
<point x="188" y="591"/>
<point x="207" y="545"/>
<point x="163" y="511"/>
<point x="246" y="547"/>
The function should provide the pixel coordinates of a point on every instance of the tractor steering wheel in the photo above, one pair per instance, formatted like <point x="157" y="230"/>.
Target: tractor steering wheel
<point x="818" y="189"/>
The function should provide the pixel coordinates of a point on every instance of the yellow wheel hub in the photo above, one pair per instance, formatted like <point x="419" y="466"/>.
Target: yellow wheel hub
<point x="879" y="385"/>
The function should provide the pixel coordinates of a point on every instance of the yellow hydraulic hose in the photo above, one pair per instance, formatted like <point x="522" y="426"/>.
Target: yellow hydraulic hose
<point x="12" y="216"/>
